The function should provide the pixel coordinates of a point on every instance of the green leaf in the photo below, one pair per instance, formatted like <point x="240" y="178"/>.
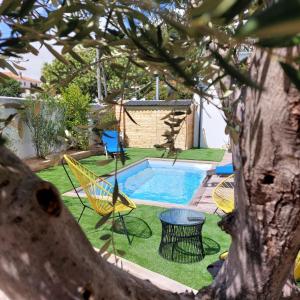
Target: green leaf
<point x="215" y="8"/>
<point x="112" y="96"/>
<point x="105" y="237"/>
<point x="76" y="56"/>
<point x="178" y="113"/>
<point x="115" y="192"/>
<point x="280" y="42"/>
<point x="104" y="162"/>
<point x="234" y="134"/>
<point x="279" y="20"/>
<point x="56" y="54"/>
<point x="32" y="49"/>
<point x="130" y="117"/>
<point x="6" y="5"/>
<point x="233" y="72"/>
<point x="19" y="67"/>
<point x="26" y="7"/>
<point x="106" y="255"/>
<point x="4" y="64"/>
<point x="237" y="8"/>
<point x="2" y="139"/>
<point x="159" y="36"/>
<point x="121" y="252"/>
<point x="105" y="247"/>
<point x="20" y="128"/>
<point x="292" y="73"/>
<point x="166" y="116"/>
<point x="122" y="154"/>
<point x="9" y="119"/>
<point x="102" y="220"/>
<point x="124" y="200"/>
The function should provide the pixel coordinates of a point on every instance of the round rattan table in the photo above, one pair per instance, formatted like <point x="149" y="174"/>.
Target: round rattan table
<point x="181" y="238"/>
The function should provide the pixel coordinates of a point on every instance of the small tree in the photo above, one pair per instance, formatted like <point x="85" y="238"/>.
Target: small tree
<point x="76" y="106"/>
<point x="77" y="73"/>
<point x="45" y="119"/>
<point x="10" y="88"/>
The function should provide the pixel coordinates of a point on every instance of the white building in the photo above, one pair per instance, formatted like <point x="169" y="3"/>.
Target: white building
<point x="209" y="123"/>
<point x="27" y="83"/>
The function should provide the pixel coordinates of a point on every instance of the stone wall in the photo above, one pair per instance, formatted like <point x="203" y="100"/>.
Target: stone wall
<point x="150" y="127"/>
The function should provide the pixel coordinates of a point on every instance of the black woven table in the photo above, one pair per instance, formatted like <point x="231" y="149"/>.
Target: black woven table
<point x="181" y="238"/>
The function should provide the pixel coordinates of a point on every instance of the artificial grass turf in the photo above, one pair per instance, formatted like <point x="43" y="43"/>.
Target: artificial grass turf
<point x="144" y="223"/>
<point x="209" y="154"/>
<point x="144" y="249"/>
<point x="57" y="175"/>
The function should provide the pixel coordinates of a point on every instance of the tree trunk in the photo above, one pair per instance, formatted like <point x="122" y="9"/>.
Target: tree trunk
<point x="265" y="226"/>
<point x="43" y="252"/>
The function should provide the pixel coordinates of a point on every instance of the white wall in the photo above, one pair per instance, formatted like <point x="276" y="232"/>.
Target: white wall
<point x="212" y="123"/>
<point x="21" y="146"/>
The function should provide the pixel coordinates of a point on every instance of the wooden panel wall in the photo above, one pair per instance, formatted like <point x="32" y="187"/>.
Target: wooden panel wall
<point x="151" y="127"/>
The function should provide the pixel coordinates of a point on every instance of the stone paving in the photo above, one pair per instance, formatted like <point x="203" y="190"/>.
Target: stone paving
<point x="203" y="198"/>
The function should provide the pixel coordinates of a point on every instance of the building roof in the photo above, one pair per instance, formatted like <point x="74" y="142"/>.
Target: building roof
<point x="20" y="77"/>
<point x="185" y="102"/>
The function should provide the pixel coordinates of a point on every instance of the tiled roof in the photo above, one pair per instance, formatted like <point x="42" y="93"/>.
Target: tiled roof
<point x="185" y="102"/>
<point x="20" y="77"/>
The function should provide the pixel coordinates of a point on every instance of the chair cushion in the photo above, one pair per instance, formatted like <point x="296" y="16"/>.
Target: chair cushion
<point x="225" y="170"/>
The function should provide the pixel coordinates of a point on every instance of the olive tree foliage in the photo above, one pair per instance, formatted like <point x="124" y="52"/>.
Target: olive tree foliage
<point x="185" y="41"/>
<point x="83" y="77"/>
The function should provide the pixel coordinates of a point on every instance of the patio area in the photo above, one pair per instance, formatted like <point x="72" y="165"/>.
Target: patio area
<point x="144" y="224"/>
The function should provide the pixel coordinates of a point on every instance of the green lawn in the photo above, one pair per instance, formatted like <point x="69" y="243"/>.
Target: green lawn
<point x="145" y="225"/>
<point x="144" y="222"/>
<point x="57" y="175"/>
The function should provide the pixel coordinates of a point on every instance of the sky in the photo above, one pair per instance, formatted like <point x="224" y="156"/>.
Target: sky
<point x="32" y="63"/>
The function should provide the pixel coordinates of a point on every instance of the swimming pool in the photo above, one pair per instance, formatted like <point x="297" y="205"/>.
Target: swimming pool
<point x="161" y="181"/>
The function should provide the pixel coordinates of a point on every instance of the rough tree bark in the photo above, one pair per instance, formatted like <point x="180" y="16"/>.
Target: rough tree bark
<point x="43" y="252"/>
<point x="265" y="226"/>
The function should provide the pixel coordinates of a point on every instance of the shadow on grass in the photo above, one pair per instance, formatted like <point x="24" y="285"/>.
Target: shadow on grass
<point x="210" y="246"/>
<point x="136" y="227"/>
<point x="93" y="162"/>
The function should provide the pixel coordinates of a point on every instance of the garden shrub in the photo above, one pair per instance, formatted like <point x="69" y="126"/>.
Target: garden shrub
<point x="76" y="106"/>
<point x="10" y="88"/>
<point x="45" y="119"/>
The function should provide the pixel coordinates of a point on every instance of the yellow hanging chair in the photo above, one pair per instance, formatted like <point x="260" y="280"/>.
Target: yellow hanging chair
<point x="223" y="194"/>
<point x="99" y="192"/>
<point x="223" y="256"/>
<point x="297" y="268"/>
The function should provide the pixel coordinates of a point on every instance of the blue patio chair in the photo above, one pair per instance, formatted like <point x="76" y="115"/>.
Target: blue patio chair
<point x="110" y="141"/>
<point x="224" y="170"/>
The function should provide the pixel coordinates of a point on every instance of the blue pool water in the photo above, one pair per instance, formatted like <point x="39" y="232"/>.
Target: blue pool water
<point x="161" y="181"/>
